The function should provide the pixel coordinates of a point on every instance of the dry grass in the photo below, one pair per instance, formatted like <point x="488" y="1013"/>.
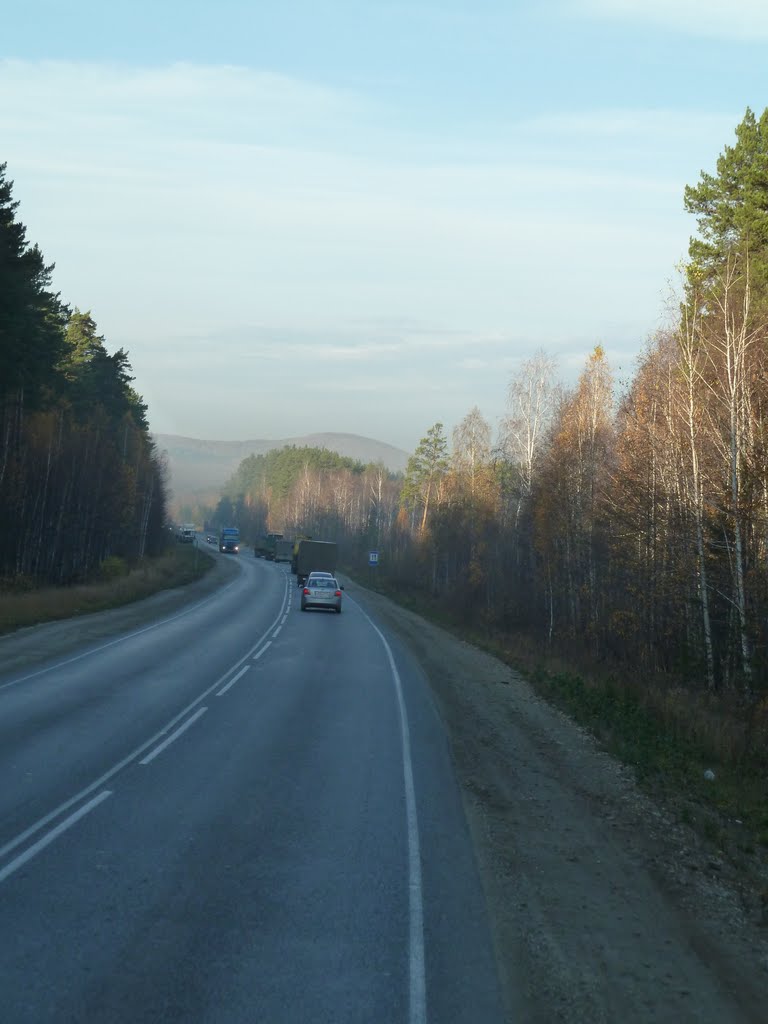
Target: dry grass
<point x="22" y="605"/>
<point x="670" y="734"/>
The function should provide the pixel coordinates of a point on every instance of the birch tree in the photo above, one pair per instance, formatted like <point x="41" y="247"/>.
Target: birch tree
<point x="730" y="336"/>
<point x="531" y="401"/>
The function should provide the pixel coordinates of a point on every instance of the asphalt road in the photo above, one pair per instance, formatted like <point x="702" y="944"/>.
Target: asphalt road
<point x="242" y="812"/>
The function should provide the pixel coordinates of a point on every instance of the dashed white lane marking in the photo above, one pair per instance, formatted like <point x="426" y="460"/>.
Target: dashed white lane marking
<point x="233" y="680"/>
<point x="174" y="735"/>
<point x="266" y="645"/>
<point x="36" y="826"/>
<point x="49" y="837"/>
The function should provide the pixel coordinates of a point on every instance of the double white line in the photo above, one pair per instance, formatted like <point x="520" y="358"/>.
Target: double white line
<point x="30" y="852"/>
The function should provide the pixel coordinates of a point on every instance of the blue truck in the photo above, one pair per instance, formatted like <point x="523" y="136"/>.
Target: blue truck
<point x="229" y="540"/>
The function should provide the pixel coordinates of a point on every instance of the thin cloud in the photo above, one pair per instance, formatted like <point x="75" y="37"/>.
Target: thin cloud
<point x="310" y="347"/>
<point x="632" y="123"/>
<point x="745" y="20"/>
<point x="119" y="91"/>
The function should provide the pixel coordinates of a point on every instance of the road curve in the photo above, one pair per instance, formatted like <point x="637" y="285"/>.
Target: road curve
<point x="242" y="813"/>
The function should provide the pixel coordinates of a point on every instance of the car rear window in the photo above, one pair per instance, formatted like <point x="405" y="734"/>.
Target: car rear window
<point x="321" y="583"/>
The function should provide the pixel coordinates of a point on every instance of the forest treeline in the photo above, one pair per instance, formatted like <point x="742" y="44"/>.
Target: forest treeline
<point x="633" y="526"/>
<point x="80" y="481"/>
<point x="289" y="488"/>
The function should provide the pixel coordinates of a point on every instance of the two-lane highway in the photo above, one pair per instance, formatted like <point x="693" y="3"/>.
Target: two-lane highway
<point x="245" y="813"/>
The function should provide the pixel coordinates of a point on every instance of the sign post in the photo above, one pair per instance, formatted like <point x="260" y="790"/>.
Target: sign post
<point x="373" y="561"/>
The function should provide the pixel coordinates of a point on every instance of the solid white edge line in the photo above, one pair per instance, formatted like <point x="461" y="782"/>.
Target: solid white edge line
<point x="42" y="822"/>
<point x="233" y="680"/>
<point x="174" y="736"/>
<point x="417" y="1003"/>
<point x="29" y="853"/>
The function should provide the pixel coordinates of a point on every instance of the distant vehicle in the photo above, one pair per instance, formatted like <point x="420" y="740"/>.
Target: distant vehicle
<point x="211" y="539"/>
<point x="229" y="540"/>
<point x="186" y="534"/>
<point x="283" y="550"/>
<point x="321" y="592"/>
<point x="313" y="556"/>
<point x="265" y="546"/>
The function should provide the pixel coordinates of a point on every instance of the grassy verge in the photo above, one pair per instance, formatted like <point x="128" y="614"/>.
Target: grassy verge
<point x="180" y="565"/>
<point x="669" y="735"/>
<point x="680" y="747"/>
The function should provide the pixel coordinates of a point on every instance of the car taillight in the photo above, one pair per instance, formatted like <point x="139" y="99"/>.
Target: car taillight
<point x="306" y="590"/>
<point x="338" y="593"/>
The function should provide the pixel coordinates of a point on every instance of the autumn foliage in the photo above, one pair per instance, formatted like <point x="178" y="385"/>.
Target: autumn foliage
<point x="630" y="525"/>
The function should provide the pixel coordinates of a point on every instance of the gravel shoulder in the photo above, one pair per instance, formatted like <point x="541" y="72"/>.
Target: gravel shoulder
<point x="604" y="908"/>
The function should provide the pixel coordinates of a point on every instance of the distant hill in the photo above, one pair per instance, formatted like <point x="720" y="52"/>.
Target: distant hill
<point x="200" y="467"/>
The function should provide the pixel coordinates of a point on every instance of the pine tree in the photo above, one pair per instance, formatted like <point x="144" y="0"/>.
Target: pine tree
<point x="32" y="317"/>
<point x="425" y="471"/>
<point x="732" y="207"/>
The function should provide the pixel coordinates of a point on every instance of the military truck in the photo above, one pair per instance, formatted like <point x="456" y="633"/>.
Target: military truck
<point x="265" y="546"/>
<point x="283" y="550"/>
<point x="313" y="556"/>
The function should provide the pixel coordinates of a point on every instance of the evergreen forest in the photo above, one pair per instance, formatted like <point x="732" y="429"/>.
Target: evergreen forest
<point x="80" y="480"/>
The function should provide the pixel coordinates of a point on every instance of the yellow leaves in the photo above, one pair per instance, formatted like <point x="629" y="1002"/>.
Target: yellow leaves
<point x="623" y="624"/>
<point x="476" y="573"/>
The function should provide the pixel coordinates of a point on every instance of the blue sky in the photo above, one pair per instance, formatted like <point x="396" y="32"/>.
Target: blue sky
<point x="364" y="216"/>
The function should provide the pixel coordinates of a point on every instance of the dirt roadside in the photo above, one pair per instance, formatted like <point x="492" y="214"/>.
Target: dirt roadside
<point x="604" y="908"/>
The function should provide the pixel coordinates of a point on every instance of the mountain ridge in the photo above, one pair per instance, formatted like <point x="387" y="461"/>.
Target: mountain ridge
<point x="197" y="465"/>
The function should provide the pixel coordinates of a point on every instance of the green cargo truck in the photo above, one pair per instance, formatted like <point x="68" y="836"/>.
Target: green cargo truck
<point x="283" y="550"/>
<point x="313" y="556"/>
<point x="265" y="546"/>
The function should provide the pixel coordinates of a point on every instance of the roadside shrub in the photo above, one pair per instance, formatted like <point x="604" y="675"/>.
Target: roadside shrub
<point x="113" y="568"/>
<point x="18" y="584"/>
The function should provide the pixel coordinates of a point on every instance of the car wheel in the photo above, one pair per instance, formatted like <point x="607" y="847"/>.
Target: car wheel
<point x="338" y="611"/>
